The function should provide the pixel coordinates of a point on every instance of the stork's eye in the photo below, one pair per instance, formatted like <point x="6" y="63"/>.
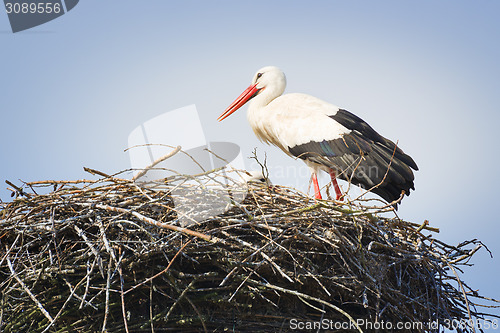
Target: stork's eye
<point x="259" y="75"/>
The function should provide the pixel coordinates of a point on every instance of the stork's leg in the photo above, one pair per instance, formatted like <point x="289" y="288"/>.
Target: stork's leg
<point x="338" y="192"/>
<point x="317" y="193"/>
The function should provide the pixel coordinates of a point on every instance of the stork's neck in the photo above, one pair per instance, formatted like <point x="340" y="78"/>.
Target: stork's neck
<point x="258" y="114"/>
<point x="266" y="96"/>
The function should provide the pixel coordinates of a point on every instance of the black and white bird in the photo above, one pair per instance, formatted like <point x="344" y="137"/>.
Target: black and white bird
<point x="324" y="136"/>
<point x="255" y="176"/>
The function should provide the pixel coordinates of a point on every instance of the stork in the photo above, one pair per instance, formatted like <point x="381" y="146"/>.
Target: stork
<point x="326" y="137"/>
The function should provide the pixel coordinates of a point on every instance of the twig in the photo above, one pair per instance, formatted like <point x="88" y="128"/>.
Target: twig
<point x="73" y="290"/>
<point x="122" y="296"/>
<point x="151" y="307"/>
<point x="179" y="298"/>
<point x="18" y="189"/>
<point x="106" y="304"/>
<point x="30" y="294"/>
<point x="298" y="294"/>
<point x="91" y="247"/>
<point x="263" y="254"/>
<point x="151" y="221"/>
<point x="465" y="256"/>
<point x="96" y="172"/>
<point x="156" y="162"/>
<point x="163" y="271"/>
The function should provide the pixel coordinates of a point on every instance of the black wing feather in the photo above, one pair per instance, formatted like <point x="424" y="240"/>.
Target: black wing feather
<point x="363" y="157"/>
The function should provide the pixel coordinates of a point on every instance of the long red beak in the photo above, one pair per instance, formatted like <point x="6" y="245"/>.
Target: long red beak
<point x="240" y="101"/>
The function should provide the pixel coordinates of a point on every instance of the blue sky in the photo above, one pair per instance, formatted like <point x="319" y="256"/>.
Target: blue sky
<point x="424" y="73"/>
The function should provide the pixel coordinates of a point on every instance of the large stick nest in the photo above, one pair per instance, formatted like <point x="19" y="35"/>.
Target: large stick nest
<point x="110" y="255"/>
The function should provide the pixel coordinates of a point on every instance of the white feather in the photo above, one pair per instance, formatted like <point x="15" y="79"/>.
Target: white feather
<point x="291" y="119"/>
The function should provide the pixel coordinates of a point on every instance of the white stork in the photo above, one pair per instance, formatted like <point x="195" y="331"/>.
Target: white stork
<point x="325" y="137"/>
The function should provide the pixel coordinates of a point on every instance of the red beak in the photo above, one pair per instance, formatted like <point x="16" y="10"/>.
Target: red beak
<point x="240" y="101"/>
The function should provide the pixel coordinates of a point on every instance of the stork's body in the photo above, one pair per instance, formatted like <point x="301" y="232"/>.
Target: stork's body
<point x="325" y="137"/>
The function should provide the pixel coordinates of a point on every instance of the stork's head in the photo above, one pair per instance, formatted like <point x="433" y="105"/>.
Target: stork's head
<point x="268" y="83"/>
<point x="256" y="177"/>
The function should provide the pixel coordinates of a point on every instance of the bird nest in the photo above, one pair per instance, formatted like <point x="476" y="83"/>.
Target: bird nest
<point x="110" y="255"/>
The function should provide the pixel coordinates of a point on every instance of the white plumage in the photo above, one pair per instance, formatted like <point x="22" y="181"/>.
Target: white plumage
<point x="256" y="176"/>
<point x="324" y="136"/>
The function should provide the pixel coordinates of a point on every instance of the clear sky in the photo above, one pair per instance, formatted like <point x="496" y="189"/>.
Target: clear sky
<point x="425" y="73"/>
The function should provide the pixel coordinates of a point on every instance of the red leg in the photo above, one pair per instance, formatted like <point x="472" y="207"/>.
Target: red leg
<point x="317" y="193"/>
<point x="338" y="192"/>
